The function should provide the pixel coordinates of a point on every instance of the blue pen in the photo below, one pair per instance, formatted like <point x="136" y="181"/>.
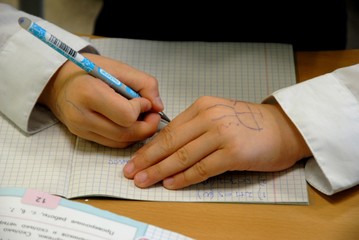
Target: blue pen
<point x="80" y="60"/>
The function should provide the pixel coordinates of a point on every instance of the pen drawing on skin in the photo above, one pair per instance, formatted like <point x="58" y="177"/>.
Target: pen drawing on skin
<point x="247" y="117"/>
<point x="67" y="100"/>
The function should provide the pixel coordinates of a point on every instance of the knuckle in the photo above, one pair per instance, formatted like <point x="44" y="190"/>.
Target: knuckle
<point x="167" y="143"/>
<point x="152" y="80"/>
<point x="157" y="170"/>
<point x="183" y="156"/>
<point x="202" y="102"/>
<point x="207" y="108"/>
<point x="222" y="129"/>
<point x="155" y="173"/>
<point x="201" y="170"/>
<point x="143" y="160"/>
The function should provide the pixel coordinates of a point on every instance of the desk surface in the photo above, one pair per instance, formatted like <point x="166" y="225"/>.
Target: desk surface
<point x="334" y="217"/>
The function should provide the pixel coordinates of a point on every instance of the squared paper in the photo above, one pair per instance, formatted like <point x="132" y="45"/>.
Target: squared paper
<point x="56" y="161"/>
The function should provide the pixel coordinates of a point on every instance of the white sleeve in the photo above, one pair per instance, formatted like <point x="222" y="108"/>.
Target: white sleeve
<point x="26" y="65"/>
<point x="325" y="109"/>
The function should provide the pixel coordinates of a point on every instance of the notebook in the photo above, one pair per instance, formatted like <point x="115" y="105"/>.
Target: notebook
<point x="58" y="162"/>
<point x="33" y="214"/>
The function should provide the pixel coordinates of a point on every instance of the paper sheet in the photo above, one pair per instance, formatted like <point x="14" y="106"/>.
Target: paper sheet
<point x="57" y="162"/>
<point x="32" y="214"/>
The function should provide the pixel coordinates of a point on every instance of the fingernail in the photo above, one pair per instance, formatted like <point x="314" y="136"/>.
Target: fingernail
<point x="129" y="168"/>
<point x="168" y="182"/>
<point x="141" y="177"/>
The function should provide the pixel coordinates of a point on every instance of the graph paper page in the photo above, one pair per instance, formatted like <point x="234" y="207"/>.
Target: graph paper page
<point x="41" y="161"/>
<point x="185" y="71"/>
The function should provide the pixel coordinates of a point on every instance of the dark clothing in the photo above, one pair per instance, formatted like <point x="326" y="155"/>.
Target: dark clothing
<point x="308" y="25"/>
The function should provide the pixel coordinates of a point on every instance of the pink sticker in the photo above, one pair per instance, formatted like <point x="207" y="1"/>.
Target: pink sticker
<point x="40" y="199"/>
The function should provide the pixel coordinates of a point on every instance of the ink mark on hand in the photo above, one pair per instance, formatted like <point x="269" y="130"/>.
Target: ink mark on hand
<point x="243" y="114"/>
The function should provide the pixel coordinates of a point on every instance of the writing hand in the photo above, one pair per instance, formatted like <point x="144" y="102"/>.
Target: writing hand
<point x="216" y="135"/>
<point x="94" y="111"/>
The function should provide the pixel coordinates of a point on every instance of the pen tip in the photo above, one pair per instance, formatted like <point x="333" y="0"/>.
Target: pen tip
<point x="164" y="117"/>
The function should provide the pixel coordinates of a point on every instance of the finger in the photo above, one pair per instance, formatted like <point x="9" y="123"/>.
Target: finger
<point x="102" y="126"/>
<point x="117" y="108"/>
<point x="143" y="83"/>
<point x="170" y="139"/>
<point x="212" y="165"/>
<point x="94" y="137"/>
<point x="185" y="122"/>
<point x="166" y="142"/>
<point x="181" y="160"/>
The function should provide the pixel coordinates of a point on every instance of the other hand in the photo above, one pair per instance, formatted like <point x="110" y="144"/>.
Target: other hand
<point x="216" y="135"/>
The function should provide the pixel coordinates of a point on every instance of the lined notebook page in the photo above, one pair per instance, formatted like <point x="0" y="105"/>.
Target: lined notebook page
<point x="55" y="161"/>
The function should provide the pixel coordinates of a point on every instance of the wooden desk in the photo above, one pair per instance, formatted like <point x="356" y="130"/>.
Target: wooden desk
<point x="335" y="217"/>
